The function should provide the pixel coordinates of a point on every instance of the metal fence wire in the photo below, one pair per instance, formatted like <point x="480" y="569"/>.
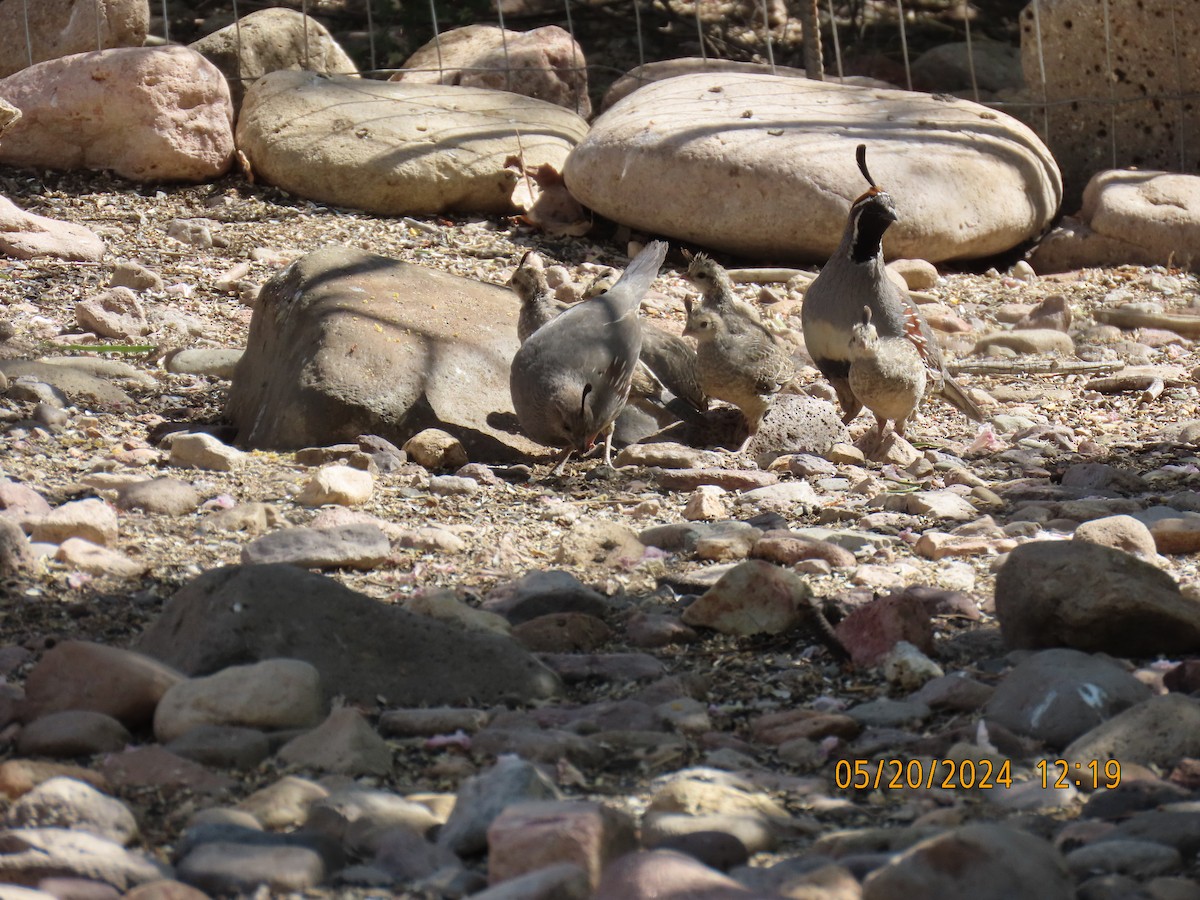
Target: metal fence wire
<point x="1106" y="83"/>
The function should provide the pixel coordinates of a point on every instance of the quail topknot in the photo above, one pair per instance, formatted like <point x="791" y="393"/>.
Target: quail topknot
<point x="738" y="359"/>
<point x="854" y="278"/>
<point x="886" y="374"/>
<point x="570" y="379"/>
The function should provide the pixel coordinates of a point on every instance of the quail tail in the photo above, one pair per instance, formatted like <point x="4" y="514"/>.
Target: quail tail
<point x="640" y="273"/>
<point x="953" y="393"/>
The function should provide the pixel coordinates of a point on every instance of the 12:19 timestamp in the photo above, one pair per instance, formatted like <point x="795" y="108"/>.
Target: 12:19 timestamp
<point x="1061" y="774"/>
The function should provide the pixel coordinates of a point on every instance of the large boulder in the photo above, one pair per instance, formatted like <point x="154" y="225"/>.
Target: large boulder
<point x="1092" y="598"/>
<point x="545" y="63"/>
<point x="764" y="166"/>
<point x="1104" y="69"/>
<point x="148" y="114"/>
<point x="662" y="69"/>
<point x="270" y="40"/>
<point x="58" y="28"/>
<point x="344" y="343"/>
<point x="1129" y="217"/>
<point x="364" y="649"/>
<point x="396" y="149"/>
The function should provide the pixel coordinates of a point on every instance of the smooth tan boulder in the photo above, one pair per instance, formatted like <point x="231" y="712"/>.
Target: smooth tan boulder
<point x="764" y="167"/>
<point x="270" y="40"/>
<point x="395" y="149"/>
<point x="58" y="28"/>
<point x="146" y="113"/>
<point x="546" y="63"/>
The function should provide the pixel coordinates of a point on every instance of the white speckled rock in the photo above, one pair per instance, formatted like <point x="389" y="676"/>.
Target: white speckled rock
<point x="764" y="166"/>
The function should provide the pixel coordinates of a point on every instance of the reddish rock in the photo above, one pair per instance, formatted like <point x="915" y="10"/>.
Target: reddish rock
<point x="563" y="633"/>
<point x="156" y="768"/>
<point x="83" y="675"/>
<point x="870" y="631"/>
<point x="530" y="836"/>
<point x="778" y="728"/>
<point x="20" y="776"/>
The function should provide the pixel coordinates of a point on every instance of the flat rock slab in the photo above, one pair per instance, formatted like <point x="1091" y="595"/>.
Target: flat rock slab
<point x="344" y="343"/>
<point x="79" y="387"/>
<point x="394" y="149"/>
<point x="364" y="649"/>
<point x="764" y="166"/>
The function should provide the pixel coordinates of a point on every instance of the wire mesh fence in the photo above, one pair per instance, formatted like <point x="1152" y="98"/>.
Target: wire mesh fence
<point x="1104" y="84"/>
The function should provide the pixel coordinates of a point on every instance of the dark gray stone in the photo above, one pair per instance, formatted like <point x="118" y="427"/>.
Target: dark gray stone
<point x="363" y="649"/>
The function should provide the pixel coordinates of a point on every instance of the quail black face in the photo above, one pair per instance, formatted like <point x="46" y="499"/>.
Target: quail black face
<point x="872" y="214"/>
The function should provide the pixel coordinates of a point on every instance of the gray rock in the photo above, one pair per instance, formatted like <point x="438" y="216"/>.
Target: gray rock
<point x="1057" y="695"/>
<point x="1092" y="598"/>
<point x="257" y="612"/>
<point x="797" y="424"/>
<point x="212" y="363"/>
<point x="229" y="868"/>
<point x="73" y="732"/>
<point x="542" y="593"/>
<point x="1158" y="731"/>
<point x="222" y="746"/>
<point x="356" y="546"/>
<point x="344" y="743"/>
<point x="80" y="388"/>
<point x="481" y="798"/>
<point x="1142" y="859"/>
<point x="317" y="371"/>
<point x="167" y="496"/>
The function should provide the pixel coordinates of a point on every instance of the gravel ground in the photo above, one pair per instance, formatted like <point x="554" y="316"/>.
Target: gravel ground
<point x="519" y="527"/>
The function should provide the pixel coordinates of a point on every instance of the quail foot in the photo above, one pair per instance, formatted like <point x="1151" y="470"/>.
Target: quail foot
<point x="738" y="359"/>
<point x="886" y="374"/>
<point x="570" y="379"/>
<point x="855" y="277"/>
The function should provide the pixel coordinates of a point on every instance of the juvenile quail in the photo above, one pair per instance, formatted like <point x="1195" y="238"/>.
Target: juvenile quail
<point x="887" y="375"/>
<point x="570" y="379"/>
<point x="738" y="359"/>
<point x="538" y="304"/>
<point x="716" y="290"/>
<point x="855" y="277"/>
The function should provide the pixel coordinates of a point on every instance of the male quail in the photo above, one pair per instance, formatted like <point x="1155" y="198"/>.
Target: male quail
<point x="738" y="359"/>
<point x="570" y="379"/>
<point x="855" y="277"/>
<point x="887" y="374"/>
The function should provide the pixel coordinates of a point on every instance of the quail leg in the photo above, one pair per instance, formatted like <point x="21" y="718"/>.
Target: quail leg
<point x="608" y="436"/>
<point x="562" y="463"/>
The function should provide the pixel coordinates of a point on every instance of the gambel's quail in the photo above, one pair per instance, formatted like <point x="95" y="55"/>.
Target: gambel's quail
<point x="855" y="277"/>
<point x="886" y="374"/>
<point x="665" y="385"/>
<point x="571" y="378"/>
<point x="738" y="359"/>
<point x="716" y="290"/>
<point x="538" y="304"/>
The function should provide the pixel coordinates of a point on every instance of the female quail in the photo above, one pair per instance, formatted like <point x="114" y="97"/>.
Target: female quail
<point x="570" y="379"/>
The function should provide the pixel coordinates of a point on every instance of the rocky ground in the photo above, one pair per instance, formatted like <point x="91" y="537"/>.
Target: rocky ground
<point x="935" y="526"/>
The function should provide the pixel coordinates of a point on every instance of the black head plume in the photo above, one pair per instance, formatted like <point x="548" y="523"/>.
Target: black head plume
<point x="521" y="264"/>
<point x="866" y="315"/>
<point x="861" y="155"/>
